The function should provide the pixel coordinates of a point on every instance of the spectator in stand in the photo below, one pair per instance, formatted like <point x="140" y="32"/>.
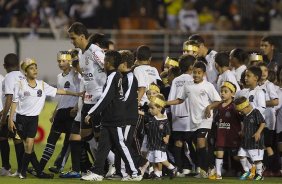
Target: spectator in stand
<point x="188" y="17"/>
<point x="206" y="19"/>
<point x="107" y="15"/>
<point x="261" y="15"/>
<point x="172" y="8"/>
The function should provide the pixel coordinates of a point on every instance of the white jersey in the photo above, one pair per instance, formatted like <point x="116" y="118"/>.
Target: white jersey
<point x="180" y="113"/>
<point x="211" y="70"/>
<point x="238" y="72"/>
<point x="30" y="101"/>
<point x="80" y="102"/>
<point x="256" y="98"/>
<point x="1" y="92"/>
<point x="92" y="64"/>
<point x="227" y="76"/>
<point x="279" y="112"/>
<point x="270" y="94"/>
<point x="200" y="96"/>
<point x="68" y="82"/>
<point x="145" y="75"/>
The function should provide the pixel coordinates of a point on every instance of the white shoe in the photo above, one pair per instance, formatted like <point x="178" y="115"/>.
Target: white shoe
<point x="212" y="172"/>
<point x="202" y="174"/>
<point x="186" y="171"/>
<point x="5" y="172"/>
<point x="92" y="177"/>
<point x="112" y="170"/>
<point x="133" y="178"/>
<point x="180" y="175"/>
<point x="15" y="174"/>
<point x="21" y="176"/>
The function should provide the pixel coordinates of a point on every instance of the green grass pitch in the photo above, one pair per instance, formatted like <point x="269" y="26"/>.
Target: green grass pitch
<point x="44" y="122"/>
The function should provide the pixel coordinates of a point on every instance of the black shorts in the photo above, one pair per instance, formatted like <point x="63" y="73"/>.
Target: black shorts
<point x="279" y="137"/>
<point x="232" y="151"/>
<point x="268" y="137"/>
<point x="75" y="129"/>
<point x="26" y="126"/>
<point x="6" y="133"/>
<point x="182" y="136"/>
<point x="202" y="133"/>
<point x="63" y="121"/>
<point x="95" y="121"/>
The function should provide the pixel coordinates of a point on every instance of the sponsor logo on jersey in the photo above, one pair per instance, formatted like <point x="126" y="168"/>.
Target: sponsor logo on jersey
<point x="67" y="84"/>
<point x="39" y="93"/>
<point x="223" y="125"/>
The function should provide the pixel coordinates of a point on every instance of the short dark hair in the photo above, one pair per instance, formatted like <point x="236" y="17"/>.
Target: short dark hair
<point x="256" y="71"/>
<point x="128" y="57"/>
<point x="11" y="60"/>
<point x="175" y="71"/>
<point x="262" y="64"/>
<point x="222" y="59"/>
<point x="243" y="76"/>
<point x="270" y="39"/>
<point x="99" y="39"/>
<point x="272" y="76"/>
<point x="240" y="100"/>
<point x="200" y="65"/>
<point x="79" y="29"/>
<point x="143" y="53"/>
<point x="185" y="61"/>
<point x="114" y="58"/>
<point x="240" y="55"/>
<point x="198" y="38"/>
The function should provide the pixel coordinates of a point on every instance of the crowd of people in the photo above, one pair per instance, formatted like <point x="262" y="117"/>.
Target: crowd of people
<point x="208" y="114"/>
<point x="188" y="15"/>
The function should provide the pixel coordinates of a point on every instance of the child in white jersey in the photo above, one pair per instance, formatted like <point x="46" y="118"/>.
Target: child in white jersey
<point x="28" y="101"/>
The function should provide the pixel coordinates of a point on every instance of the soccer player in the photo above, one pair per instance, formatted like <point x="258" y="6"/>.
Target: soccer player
<point x="112" y="109"/>
<point x="272" y="100"/>
<point x="222" y="66"/>
<point x="228" y="122"/>
<point x="203" y="98"/>
<point x="238" y="58"/>
<point x="158" y="136"/>
<point x="181" y="118"/>
<point x="11" y="64"/>
<point x="28" y="101"/>
<point x="65" y="111"/>
<point x="252" y="143"/>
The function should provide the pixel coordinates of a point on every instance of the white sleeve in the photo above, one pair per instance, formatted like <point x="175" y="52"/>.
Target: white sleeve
<point x="213" y="94"/>
<point x="49" y="90"/>
<point x="183" y="93"/>
<point x="9" y="83"/>
<point x="98" y="57"/>
<point x="172" y="92"/>
<point x="140" y="77"/>
<point x="260" y="101"/>
<point x="157" y="74"/>
<point x="271" y="89"/>
<point x="16" y="92"/>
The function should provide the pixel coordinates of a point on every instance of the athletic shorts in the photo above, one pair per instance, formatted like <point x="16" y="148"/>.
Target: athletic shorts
<point x="268" y="137"/>
<point x="75" y="129"/>
<point x="26" y="126"/>
<point x="253" y="154"/>
<point x="156" y="156"/>
<point x="95" y="120"/>
<point x="202" y="133"/>
<point x="182" y="136"/>
<point x="63" y="121"/>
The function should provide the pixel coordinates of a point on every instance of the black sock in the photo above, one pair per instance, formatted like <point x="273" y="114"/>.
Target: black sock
<point x="75" y="155"/>
<point x="177" y="157"/>
<point x="35" y="163"/>
<point x="19" y="148"/>
<point x="84" y="161"/>
<point x="5" y="154"/>
<point x="203" y="159"/>
<point x="25" y="162"/>
<point x="49" y="149"/>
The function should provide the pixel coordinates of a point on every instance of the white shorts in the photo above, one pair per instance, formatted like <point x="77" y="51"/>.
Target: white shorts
<point x="253" y="154"/>
<point x="156" y="156"/>
<point x="144" y="144"/>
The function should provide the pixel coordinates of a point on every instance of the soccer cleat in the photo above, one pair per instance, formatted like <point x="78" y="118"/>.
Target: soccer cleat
<point x="252" y="172"/>
<point x="70" y="174"/>
<point x="186" y="171"/>
<point x="55" y="169"/>
<point x="92" y="177"/>
<point x="31" y="171"/>
<point x="44" y="175"/>
<point x="15" y="174"/>
<point x="215" y="177"/>
<point x="155" y="177"/>
<point x="5" y="172"/>
<point x="114" y="177"/>
<point x="180" y="175"/>
<point x="258" y="177"/>
<point x="132" y="178"/>
<point x="172" y="173"/>
<point x="22" y="176"/>
<point x="111" y="171"/>
<point x="245" y="175"/>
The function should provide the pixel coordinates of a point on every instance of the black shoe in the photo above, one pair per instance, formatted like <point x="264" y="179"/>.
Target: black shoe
<point x="155" y="177"/>
<point x="55" y="169"/>
<point x="31" y="171"/>
<point x="172" y="173"/>
<point x="146" y="176"/>
<point x="45" y="175"/>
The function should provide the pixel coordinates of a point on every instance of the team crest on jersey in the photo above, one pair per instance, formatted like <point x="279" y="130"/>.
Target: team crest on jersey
<point x="202" y="93"/>
<point x="26" y="93"/>
<point x="67" y="84"/>
<point x="39" y="93"/>
<point x="228" y="114"/>
<point x="251" y="98"/>
<point x="161" y="126"/>
<point x="251" y="120"/>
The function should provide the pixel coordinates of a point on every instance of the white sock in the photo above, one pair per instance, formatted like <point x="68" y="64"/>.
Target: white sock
<point x="170" y="167"/>
<point x="218" y="165"/>
<point x="259" y="168"/>
<point x="158" y="173"/>
<point x="249" y="165"/>
<point x="244" y="164"/>
<point x="111" y="158"/>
